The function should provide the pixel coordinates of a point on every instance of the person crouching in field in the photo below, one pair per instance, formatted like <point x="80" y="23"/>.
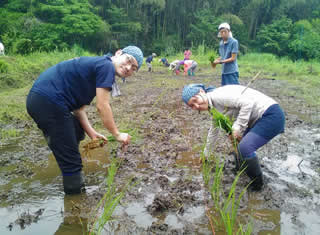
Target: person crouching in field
<point x="228" y="50"/>
<point x="190" y="67"/>
<point x="57" y="102"/>
<point x="164" y="62"/>
<point x="258" y="119"/>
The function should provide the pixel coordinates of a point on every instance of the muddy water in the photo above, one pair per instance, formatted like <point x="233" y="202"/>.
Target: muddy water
<point x="170" y="197"/>
<point x="34" y="202"/>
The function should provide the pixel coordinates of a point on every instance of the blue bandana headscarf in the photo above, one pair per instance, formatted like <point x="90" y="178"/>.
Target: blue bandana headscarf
<point x="192" y="89"/>
<point x="135" y="52"/>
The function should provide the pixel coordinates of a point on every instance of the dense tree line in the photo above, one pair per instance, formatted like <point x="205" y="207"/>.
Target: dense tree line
<point x="283" y="27"/>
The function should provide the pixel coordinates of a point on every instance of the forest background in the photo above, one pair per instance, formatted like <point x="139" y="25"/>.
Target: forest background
<point x="288" y="28"/>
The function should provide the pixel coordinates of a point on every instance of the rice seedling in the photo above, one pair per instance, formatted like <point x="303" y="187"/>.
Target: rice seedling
<point x="225" y="209"/>
<point x="231" y="204"/>
<point x="109" y="201"/>
<point x="215" y="188"/>
<point x="221" y="121"/>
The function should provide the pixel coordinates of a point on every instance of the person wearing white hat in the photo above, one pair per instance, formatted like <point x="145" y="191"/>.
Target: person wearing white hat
<point x="149" y="60"/>
<point x="228" y="50"/>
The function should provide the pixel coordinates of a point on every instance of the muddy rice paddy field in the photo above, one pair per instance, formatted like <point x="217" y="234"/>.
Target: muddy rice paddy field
<point x="169" y="196"/>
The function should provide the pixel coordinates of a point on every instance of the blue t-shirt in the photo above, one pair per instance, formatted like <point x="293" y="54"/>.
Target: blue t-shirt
<point x="226" y="50"/>
<point x="72" y="83"/>
<point x="149" y="59"/>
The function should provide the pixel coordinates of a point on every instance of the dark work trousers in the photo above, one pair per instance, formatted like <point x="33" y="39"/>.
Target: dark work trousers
<point x="61" y="129"/>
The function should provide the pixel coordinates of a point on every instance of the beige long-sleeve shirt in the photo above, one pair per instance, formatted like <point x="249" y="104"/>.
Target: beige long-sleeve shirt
<point x="243" y="108"/>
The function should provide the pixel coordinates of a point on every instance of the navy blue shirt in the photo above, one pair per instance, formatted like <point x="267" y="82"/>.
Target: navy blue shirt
<point x="149" y="59"/>
<point x="226" y="50"/>
<point x="72" y="83"/>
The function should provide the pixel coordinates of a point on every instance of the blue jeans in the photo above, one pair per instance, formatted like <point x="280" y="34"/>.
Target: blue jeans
<point x="61" y="129"/>
<point x="230" y="78"/>
<point x="267" y="127"/>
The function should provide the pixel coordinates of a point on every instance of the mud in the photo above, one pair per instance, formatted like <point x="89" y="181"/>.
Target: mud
<point x="170" y="196"/>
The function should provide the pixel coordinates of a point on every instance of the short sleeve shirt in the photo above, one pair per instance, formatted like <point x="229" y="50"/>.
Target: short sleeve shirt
<point x="72" y="83"/>
<point x="226" y="50"/>
<point x="149" y="59"/>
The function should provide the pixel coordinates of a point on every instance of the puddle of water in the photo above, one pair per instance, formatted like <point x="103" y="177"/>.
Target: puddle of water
<point x="300" y="172"/>
<point x="299" y="169"/>
<point x="173" y="221"/>
<point x="140" y="215"/>
<point x="188" y="159"/>
<point x="43" y="190"/>
<point x="310" y="225"/>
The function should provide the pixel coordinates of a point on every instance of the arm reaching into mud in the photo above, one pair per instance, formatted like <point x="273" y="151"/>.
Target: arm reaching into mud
<point x="84" y="121"/>
<point x="105" y="111"/>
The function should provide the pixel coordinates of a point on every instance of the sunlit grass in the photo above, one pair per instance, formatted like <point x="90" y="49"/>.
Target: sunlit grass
<point x="12" y="106"/>
<point x="302" y="74"/>
<point x="22" y="70"/>
<point x="9" y="133"/>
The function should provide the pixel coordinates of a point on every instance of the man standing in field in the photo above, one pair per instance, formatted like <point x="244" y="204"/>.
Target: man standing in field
<point x="228" y="50"/>
<point x="149" y="60"/>
<point x="58" y="99"/>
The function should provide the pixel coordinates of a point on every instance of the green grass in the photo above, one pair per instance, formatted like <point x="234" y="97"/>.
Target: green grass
<point x="302" y="74"/>
<point x="12" y="106"/>
<point x="16" y="77"/>
<point x="19" y="71"/>
<point x="9" y="133"/>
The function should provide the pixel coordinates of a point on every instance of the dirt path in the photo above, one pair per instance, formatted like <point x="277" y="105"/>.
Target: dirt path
<point x="170" y="197"/>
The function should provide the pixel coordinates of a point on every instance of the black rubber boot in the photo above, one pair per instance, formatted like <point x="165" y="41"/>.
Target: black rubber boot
<point x="253" y="170"/>
<point x="73" y="184"/>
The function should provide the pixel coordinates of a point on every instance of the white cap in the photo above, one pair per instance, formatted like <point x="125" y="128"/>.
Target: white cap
<point x="224" y="26"/>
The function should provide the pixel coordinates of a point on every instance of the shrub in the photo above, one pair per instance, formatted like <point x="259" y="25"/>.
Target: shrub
<point x="3" y="67"/>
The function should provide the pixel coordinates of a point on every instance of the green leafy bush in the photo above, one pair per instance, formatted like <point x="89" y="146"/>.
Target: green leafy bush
<point x="23" y="46"/>
<point x="3" y="67"/>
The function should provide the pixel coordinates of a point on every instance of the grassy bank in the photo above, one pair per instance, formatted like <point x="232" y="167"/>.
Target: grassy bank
<point x="17" y="74"/>
<point x="303" y="75"/>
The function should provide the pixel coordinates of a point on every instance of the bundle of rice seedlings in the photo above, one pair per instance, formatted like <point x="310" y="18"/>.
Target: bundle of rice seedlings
<point x="211" y="58"/>
<point x="221" y="121"/>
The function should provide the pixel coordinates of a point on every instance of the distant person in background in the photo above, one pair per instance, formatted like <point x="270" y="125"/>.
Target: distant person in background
<point x="190" y="67"/>
<point x="178" y="66"/>
<point x="58" y="99"/>
<point x="228" y="50"/>
<point x="149" y="60"/>
<point x="173" y="65"/>
<point x="187" y="53"/>
<point x="164" y="61"/>
<point x="1" y="49"/>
